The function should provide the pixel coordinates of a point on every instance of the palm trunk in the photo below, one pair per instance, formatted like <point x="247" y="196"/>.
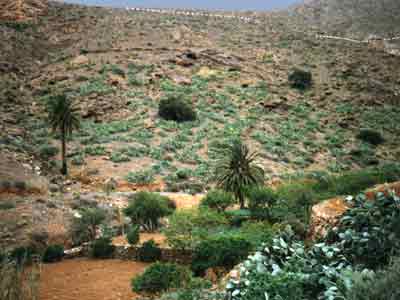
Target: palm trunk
<point x="64" y="169"/>
<point x="241" y="201"/>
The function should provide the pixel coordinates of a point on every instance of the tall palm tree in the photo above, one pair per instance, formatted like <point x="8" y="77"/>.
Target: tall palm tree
<point x="63" y="118"/>
<point x="238" y="170"/>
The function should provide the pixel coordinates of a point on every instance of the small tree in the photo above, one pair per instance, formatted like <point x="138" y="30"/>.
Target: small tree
<point x="238" y="170"/>
<point x="146" y="209"/>
<point x="85" y="226"/>
<point x="63" y="118"/>
<point x="218" y="200"/>
<point x="133" y="235"/>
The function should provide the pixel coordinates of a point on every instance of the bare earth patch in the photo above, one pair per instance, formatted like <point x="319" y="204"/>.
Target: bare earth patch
<point x="86" y="279"/>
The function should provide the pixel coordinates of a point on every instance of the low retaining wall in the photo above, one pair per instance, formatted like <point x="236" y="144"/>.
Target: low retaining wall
<point x="167" y="255"/>
<point x="132" y="253"/>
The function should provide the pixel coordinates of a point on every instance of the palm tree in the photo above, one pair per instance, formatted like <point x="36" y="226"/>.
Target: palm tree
<point x="238" y="170"/>
<point x="63" y="118"/>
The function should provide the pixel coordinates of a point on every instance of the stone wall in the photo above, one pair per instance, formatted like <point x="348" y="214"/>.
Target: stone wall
<point x="131" y="253"/>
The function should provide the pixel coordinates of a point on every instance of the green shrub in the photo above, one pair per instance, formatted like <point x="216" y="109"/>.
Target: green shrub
<point x="237" y="217"/>
<point x="21" y="185"/>
<point x="161" y="277"/>
<point x="380" y="286"/>
<point x="5" y="185"/>
<point x="141" y="177"/>
<point x="133" y="235"/>
<point x="118" y="157"/>
<point x="260" y="201"/>
<point x="176" y="109"/>
<point x="294" y="202"/>
<point x="300" y="79"/>
<point x="53" y="253"/>
<point x="286" y="269"/>
<point x="258" y="232"/>
<point x="218" y="200"/>
<point x="84" y="227"/>
<point x="102" y="248"/>
<point x="369" y="232"/>
<point x="371" y="136"/>
<point x="47" y="151"/>
<point x="183" y="174"/>
<point x="149" y="252"/>
<point x="22" y="255"/>
<point x="147" y="208"/>
<point x="187" y="228"/>
<point x="221" y="251"/>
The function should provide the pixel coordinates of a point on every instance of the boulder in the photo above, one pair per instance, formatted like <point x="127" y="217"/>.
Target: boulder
<point x="80" y="60"/>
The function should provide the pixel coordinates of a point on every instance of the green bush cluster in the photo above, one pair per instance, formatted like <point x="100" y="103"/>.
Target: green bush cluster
<point x="102" y="248"/>
<point x="149" y="252"/>
<point x="338" y="267"/>
<point x="300" y="79"/>
<point x="133" y="235"/>
<point x="220" y="251"/>
<point x="85" y="226"/>
<point x="371" y="136"/>
<point x="369" y="232"/>
<point x="187" y="228"/>
<point x="48" y="151"/>
<point x="260" y="201"/>
<point x="146" y="209"/>
<point x="218" y="200"/>
<point x="161" y="277"/>
<point x="53" y="253"/>
<point x="176" y="108"/>
<point x="141" y="177"/>
<point x="380" y="286"/>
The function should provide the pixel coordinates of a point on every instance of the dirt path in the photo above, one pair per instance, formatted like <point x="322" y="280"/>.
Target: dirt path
<point x="86" y="279"/>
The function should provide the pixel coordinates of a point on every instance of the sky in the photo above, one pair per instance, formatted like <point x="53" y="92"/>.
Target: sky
<point x="199" y="4"/>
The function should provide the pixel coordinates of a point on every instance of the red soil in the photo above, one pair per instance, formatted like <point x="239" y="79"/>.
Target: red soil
<point x="87" y="279"/>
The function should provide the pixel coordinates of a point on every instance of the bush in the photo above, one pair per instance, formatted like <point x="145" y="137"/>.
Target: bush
<point x="147" y="208"/>
<point x="222" y="251"/>
<point x="300" y="79"/>
<point x="218" y="200"/>
<point x="149" y="252"/>
<point x="48" y="151"/>
<point x="22" y="255"/>
<point x="161" y="277"/>
<point x="141" y="177"/>
<point x="286" y="269"/>
<point x="260" y="201"/>
<point x="188" y="227"/>
<point x="53" y="253"/>
<point x="369" y="232"/>
<point x="239" y="216"/>
<point x="102" y="248"/>
<point x="176" y="109"/>
<point x="294" y="202"/>
<point x="371" y="136"/>
<point x="84" y="228"/>
<point x="382" y="286"/>
<point x="133" y="235"/>
<point x="258" y="232"/>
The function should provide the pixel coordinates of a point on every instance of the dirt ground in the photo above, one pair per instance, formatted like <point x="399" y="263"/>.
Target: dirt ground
<point x="86" y="279"/>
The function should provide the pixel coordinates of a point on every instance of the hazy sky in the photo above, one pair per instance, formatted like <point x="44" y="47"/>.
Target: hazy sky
<point x="201" y="4"/>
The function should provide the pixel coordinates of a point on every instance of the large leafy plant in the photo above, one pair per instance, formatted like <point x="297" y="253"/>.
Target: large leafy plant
<point x="286" y="270"/>
<point x="369" y="232"/>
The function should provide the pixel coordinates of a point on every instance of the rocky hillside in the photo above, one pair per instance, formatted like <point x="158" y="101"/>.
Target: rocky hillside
<point x="352" y="18"/>
<point x="118" y="64"/>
